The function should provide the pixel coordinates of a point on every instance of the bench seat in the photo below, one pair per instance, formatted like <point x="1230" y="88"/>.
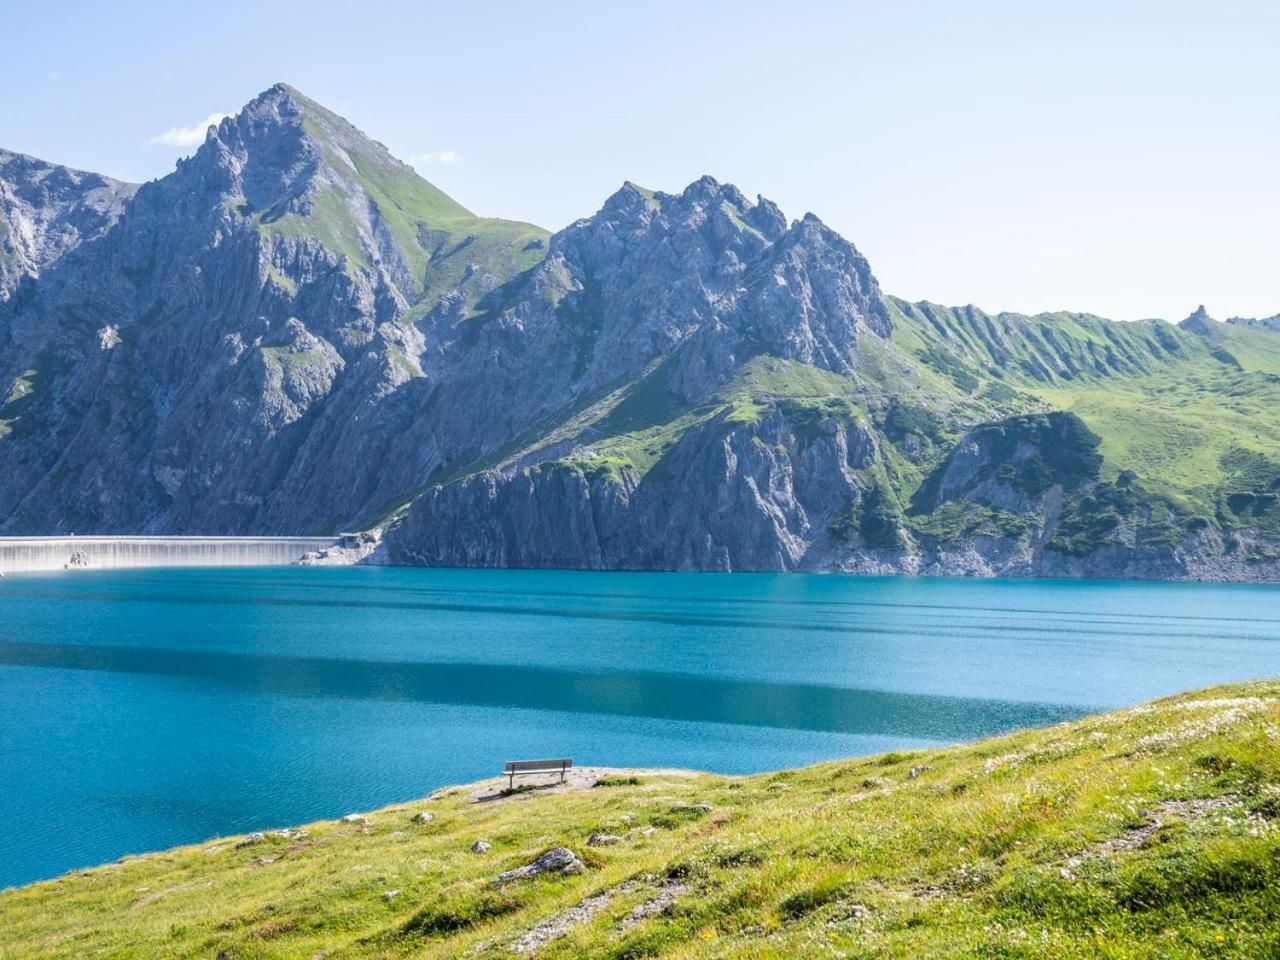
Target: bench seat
<point x="515" y="768"/>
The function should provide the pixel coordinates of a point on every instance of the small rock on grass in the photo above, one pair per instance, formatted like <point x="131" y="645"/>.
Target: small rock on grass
<point x="698" y="808"/>
<point x="481" y="846"/>
<point x="423" y="817"/>
<point x="560" y="860"/>
<point x="355" y="818"/>
<point x="250" y="840"/>
<point x="603" y="839"/>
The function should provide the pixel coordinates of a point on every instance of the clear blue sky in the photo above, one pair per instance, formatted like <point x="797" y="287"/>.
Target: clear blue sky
<point x="1121" y="158"/>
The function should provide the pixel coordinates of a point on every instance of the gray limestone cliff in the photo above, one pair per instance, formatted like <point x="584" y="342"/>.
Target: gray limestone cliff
<point x="294" y="333"/>
<point x="47" y="210"/>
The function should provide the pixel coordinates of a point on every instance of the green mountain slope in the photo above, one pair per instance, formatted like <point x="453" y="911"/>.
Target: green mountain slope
<point x="365" y="204"/>
<point x="1153" y="833"/>
<point x="1183" y="407"/>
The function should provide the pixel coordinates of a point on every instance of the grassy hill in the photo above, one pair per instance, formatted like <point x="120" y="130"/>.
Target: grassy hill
<point x="1149" y="389"/>
<point x="1151" y="832"/>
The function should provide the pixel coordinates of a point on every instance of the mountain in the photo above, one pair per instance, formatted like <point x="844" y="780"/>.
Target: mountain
<point x="238" y="352"/>
<point x="46" y="210"/>
<point x="293" y="332"/>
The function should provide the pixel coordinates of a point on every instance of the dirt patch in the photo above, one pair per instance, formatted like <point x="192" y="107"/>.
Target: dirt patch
<point x="579" y="778"/>
<point x="1157" y="817"/>
<point x="668" y="894"/>
<point x="556" y="926"/>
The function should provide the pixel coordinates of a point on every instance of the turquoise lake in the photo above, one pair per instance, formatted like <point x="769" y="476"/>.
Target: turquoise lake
<point x="142" y="709"/>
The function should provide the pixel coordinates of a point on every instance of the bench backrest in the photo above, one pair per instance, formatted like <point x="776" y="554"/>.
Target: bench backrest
<point x="532" y="766"/>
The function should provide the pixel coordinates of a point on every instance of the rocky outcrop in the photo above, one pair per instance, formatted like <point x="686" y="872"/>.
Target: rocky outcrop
<point x="758" y="495"/>
<point x="558" y="860"/>
<point x="46" y="211"/>
<point x="1021" y="497"/>
<point x="1013" y="464"/>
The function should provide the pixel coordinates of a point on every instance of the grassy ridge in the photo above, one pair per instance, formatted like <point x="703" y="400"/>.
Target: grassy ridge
<point x="1177" y="410"/>
<point x="437" y="236"/>
<point x="1177" y="405"/>
<point x="1152" y="832"/>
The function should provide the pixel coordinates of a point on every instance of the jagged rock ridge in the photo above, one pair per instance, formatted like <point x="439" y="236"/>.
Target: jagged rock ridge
<point x="295" y="333"/>
<point x="46" y="210"/>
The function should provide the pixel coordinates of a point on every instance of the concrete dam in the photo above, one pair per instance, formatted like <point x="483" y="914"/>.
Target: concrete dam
<point x="29" y="554"/>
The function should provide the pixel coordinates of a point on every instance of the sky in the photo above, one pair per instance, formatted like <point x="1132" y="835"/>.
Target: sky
<point x="1115" y="158"/>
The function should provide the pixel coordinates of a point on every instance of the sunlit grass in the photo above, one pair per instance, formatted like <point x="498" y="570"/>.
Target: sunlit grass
<point x="1152" y="832"/>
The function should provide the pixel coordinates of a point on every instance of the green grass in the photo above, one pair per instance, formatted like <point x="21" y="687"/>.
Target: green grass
<point x="961" y="519"/>
<point x="642" y="421"/>
<point x="1174" y="431"/>
<point x="27" y="407"/>
<point x="1153" y="833"/>
<point x="437" y="237"/>
<point x="283" y="282"/>
<point x="1167" y="403"/>
<point x="293" y="361"/>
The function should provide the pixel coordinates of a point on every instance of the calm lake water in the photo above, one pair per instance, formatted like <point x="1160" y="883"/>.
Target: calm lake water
<point x="142" y="709"/>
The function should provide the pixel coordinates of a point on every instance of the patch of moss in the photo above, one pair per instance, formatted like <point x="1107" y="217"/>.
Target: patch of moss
<point x="904" y="419"/>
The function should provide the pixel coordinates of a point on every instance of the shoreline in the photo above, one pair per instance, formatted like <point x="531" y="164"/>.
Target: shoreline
<point x="331" y="554"/>
<point x="1163" y="819"/>
<point x="486" y="791"/>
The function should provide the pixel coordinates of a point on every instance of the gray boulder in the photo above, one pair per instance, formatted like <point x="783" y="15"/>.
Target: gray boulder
<point x="560" y="860"/>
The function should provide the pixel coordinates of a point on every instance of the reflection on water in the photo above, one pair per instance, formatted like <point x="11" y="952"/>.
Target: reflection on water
<point x="632" y="693"/>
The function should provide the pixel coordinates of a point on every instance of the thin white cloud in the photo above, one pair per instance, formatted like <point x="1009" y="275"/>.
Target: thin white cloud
<point x="56" y="75"/>
<point x="437" y="156"/>
<point x="191" y="136"/>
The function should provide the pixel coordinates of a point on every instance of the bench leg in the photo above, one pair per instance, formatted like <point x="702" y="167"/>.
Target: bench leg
<point x="511" y="782"/>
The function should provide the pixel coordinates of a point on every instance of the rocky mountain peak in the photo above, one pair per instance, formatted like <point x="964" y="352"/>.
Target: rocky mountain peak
<point x="705" y="201"/>
<point x="705" y="272"/>
<point x="707" y="189"/>
<point x="283" y="148"/>
<point x="293" y="331"/>
<point x="312" y="196"/>
<point x="39" y="181"/>
<point x="827" y="287"/>
<point x="1200" y="322"/>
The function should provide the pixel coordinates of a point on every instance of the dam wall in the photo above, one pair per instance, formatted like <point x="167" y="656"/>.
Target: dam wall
<point x="29" y="554"/>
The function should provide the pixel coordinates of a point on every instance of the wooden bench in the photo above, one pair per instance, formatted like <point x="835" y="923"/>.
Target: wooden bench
<point x="514" y="768"/>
